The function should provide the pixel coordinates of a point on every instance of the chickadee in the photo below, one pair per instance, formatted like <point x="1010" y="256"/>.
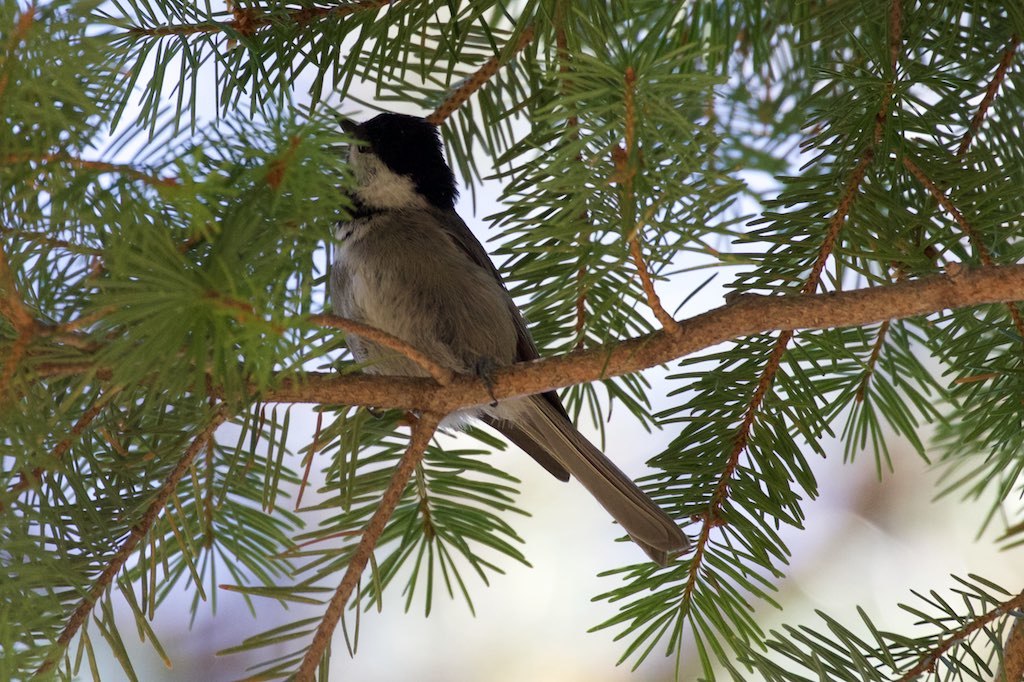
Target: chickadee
<point x="407" y="264"/>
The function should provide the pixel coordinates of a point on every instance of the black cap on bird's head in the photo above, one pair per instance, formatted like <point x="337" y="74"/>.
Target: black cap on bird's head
<point x="408" y="146"/>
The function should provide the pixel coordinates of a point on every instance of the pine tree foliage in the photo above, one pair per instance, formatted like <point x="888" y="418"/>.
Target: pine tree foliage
<point x="162" y="274"/>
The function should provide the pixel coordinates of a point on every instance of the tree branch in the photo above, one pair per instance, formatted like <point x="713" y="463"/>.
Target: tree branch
<point x="441" y="375"/>
<point x="979" y="246"/>
<point x="28" y="479"/>
<point x="927" y="663"/>
<point x="711" y="517"/>
<point x="459" y="95"/>
<point x="138" y="532"/>
<point x="96" y="166"/>
<point x="990" y="95"/>
<point x="745" y="315"/>
<point x="422" y="431"/>
<point x="249" y="20"/>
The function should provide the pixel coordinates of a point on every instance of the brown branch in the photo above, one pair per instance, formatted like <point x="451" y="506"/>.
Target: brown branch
<point x="1012" y="667"/>
<point x="745" y="315"/>
<point x="248" y="21"/>
<point x="441" y="375"/>
<point x="28" y="479"/>
<point x="97" y="166"/>
<point x="625" y="172"/>
<point x="990" y="95"/>
<point x="979" y="246"/>
<point x="572" y="122"/>
<point x="668" y="323"/>
<point x="927" y="663"/>
<point x="458" y="97"/>
<point x="711" y="517"/>
<point x="940" y="196"/>
<point x="876" y="352"/>
<point x="124" y="552"/>
<point x="423" y="429"/>
<point x="24" y="24"/>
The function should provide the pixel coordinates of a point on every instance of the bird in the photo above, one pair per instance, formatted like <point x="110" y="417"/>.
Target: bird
<point x="407" y="264"/>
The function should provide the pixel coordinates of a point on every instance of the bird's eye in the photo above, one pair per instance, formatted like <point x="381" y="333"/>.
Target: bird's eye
<point x="364" y="149"/>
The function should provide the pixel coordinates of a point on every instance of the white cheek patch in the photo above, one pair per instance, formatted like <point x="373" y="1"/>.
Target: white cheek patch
<point x="379" y="187"/>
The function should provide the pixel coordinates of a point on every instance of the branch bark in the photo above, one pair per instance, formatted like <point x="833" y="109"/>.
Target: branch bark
<point x="746" y="315"/>
<point x="422" y="431"/>
<point x="127" y="548"/>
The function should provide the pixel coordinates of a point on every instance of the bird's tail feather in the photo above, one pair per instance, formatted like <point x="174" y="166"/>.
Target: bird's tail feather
<point x="648" y="525"/>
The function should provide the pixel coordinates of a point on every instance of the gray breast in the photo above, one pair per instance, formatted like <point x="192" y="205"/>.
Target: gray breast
<point x="401" y="272"/>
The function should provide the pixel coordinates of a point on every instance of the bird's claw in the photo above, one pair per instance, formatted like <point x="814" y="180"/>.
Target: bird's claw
<point x="484" y="369"/>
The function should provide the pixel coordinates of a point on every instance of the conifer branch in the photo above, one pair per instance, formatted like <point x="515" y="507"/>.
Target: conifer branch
<point x="744" y="315"/>
<point x="47" y="240"/>
<point x="625" y="173"/>
<point x="929" y="661"/>
<point x="876" y="352"/>
<point x="965" y="142"/>
<point x="77" y="163"/>
<point x="422" y="431"/>
<point x="26" y="19"/>
<point x="711" y="517"/>
<point x="127" y="548"/>
<point x="465" y="90"/>
<point x="572" y="122"/>
<point x="979" y="246"/>
<point x="28" y="479"/>
<point x="441" y="375"/>
<point x="990" y="94"/>
<point x="247" y="21"/>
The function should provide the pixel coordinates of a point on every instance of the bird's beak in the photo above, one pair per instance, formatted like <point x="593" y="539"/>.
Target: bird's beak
<point x="348" y="125"/>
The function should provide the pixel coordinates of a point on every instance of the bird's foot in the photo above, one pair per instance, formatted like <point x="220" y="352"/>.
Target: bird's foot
<point x="485" y="368"/>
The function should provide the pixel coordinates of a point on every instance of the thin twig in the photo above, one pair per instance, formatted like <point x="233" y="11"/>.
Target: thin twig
<point x="96" y="166"/>
<point x="26" y="19"/>
<point x="990" y="95"/>
<point x="927" y="662"/>
<point x="422" y="431"/>
<point x="248" y="21"/>
<point x="458" y="97"/>
<point x="876" y="352"/>
<point x="28" y="479"/>
<point x="668" y="323"/>
<point x="441" y="375"/>
<point x="940" y="196"/>
<point x="625" y="173"/>
<point x="124" y="552"/>
<point x="979" y="246"/>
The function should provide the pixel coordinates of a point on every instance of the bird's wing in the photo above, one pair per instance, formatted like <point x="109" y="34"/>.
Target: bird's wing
<point x="526" y="349"/>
